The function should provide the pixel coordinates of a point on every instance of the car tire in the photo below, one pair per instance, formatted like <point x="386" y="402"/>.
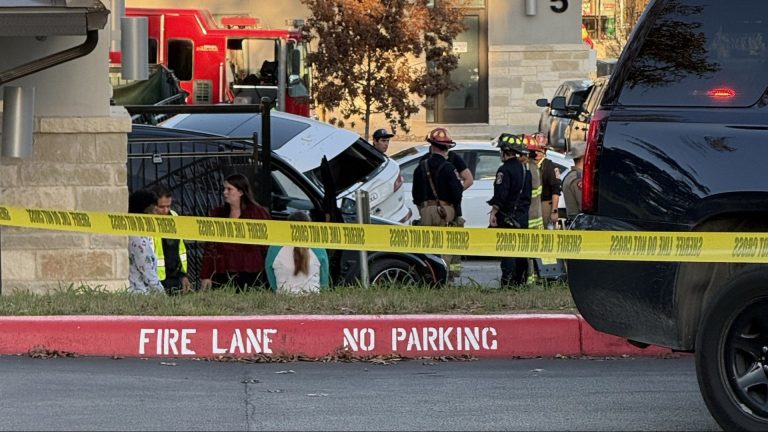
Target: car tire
<point x="732" y="353"/>
<point x="391" y="271"/>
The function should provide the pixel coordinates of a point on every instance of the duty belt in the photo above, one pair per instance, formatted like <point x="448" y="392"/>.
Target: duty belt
<point x="428" y="203"/>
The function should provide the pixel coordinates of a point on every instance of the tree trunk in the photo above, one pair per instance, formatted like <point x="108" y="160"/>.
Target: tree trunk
<point x="367" y="100"/>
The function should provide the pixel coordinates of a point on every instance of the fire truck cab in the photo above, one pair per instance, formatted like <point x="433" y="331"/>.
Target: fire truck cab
<point x="231" y="61"/>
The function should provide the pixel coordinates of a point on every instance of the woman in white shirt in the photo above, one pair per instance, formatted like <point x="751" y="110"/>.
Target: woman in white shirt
<point x="296" y="270"/>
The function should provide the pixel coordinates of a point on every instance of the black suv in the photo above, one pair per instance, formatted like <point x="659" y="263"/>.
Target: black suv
<point x="679" y="144"/>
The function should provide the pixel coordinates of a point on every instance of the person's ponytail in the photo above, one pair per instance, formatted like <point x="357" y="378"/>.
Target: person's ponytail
<point x="300" y="260"/>
<point x="300" y="254"/>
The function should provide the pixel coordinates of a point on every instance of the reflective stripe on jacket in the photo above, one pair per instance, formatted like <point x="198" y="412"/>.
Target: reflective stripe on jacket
<point x="158" y="243"/>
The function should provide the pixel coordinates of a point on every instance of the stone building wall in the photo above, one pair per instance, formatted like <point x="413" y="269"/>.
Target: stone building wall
<point x="77" y="164"/>
<point x="517" y="76"/>
<point x="520" y="74"/>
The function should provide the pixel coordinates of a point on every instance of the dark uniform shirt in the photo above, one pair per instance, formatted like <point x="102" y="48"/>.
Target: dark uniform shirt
<point x="445" y="178"/>
<point x="458" y="163"/>
<point x="512" y="193"/>
<point x="550" y="181"/>
<point x="453" y="157"/>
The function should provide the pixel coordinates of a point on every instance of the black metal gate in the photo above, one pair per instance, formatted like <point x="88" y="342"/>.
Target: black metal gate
<point x="193" y="166"/>
<point x="193" y="169"/>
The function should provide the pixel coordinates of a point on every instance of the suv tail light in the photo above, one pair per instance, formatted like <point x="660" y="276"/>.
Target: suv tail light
<point x="721" y="93"/>
<point x="398" y="182"/>
<point x="589" y="178"/>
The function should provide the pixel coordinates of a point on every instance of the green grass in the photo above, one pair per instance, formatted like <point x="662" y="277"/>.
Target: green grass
<point x="86" y="300"/>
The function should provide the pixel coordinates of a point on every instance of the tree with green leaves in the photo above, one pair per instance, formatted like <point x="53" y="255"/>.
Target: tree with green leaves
<point x="370" y="56"/>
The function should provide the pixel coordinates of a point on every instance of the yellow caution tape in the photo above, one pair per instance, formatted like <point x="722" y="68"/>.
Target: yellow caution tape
<point x="546" y="244"/>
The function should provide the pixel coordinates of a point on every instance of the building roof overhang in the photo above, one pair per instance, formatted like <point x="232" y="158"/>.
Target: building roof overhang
<point x="51" y="17"/>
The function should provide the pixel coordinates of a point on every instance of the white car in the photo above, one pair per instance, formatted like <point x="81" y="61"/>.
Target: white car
<point x="483" y="159"/>
<point x="303" y="142"/>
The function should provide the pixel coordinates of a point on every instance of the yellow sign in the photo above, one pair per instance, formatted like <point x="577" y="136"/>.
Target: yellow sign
<point x="546" y="244"/>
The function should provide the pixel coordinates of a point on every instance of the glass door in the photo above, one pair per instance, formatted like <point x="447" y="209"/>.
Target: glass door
<point x="469" y="103"/>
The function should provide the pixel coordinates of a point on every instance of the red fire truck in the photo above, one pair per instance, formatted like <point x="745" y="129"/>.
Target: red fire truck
<point x="231" y="61"/>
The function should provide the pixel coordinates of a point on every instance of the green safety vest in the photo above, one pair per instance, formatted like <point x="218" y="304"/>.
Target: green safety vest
<point x="158" y="245"/>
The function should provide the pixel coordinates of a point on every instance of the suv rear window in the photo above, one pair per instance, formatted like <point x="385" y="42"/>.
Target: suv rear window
<point x="357" y="163"/>
<point x="701" y="53"/>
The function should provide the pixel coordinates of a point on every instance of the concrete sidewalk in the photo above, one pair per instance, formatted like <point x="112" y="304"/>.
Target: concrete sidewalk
<point x="315" y="336"/>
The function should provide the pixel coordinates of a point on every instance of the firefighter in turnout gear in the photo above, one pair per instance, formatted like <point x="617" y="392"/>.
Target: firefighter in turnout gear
<point x="511" y="201"/>
<point x="437" y="188"/>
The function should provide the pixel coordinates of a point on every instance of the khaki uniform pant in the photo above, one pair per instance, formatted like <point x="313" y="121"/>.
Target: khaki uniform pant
<point x="431" y="217"/>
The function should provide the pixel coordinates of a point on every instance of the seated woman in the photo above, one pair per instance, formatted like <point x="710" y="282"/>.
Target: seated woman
<point x="142" y="261"/>
<point x="296" y="270"/>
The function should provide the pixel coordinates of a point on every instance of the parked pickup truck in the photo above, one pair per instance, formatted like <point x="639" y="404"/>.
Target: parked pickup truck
<point x="679" y="143"/>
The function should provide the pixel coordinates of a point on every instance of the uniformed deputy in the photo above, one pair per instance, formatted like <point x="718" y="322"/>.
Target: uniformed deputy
<point x="511" y="201"/>
<point x="572" y="181"/>
<point x="437" y="187"/>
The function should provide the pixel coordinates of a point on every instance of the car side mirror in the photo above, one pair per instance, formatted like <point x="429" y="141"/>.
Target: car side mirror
<point x="543" y="102"/>
<point x="348" y="206"/>
<point x="558" y="103"/>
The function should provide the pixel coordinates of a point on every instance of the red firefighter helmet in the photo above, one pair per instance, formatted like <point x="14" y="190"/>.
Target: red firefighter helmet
<point x="535" y="142"/>
<point x="439" y="137"/>
<point x="511" y="143"/>
<point x="530" y="142"/>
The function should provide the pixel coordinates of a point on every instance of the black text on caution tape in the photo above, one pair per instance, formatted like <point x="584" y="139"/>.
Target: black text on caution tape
<point x="415" y="238"/>
<point x="233" y="230"/>
<point x="750" y="247"/>
<point x="537" y="242"/>
<point x="328" y="234"/>
<point x="656" y="245"/>
<point x="59" y="218"/>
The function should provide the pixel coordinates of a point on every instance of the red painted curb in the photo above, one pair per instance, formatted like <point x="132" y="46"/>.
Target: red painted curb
<point x="311" y="335"/>
<point x="595" y="343"/>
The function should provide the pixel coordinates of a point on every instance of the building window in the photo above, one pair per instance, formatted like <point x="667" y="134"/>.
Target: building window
<point x="180" y="58"/>
<point x="152" y="51"/>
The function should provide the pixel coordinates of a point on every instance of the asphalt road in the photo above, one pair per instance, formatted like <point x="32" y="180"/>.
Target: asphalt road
<point x="482" y="271"/>
<point x="538" y="394"/>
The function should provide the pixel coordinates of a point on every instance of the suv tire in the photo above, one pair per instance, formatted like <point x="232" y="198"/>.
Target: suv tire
<point x="732" y="353"/>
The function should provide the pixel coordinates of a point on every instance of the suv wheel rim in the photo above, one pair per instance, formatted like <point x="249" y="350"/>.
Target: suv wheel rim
<point x="394" y="274"/>
<point x="746" y="358"/>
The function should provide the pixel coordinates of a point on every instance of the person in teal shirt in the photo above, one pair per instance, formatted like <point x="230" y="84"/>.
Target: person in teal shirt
<point x="297" y="270"/>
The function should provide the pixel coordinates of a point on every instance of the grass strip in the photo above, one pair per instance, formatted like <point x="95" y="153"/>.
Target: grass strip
<point x="381" y="299"/>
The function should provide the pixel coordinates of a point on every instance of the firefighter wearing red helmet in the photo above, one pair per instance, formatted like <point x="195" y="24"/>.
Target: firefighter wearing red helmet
<point x="437" y="188"/>
<point x="440" y="138"/>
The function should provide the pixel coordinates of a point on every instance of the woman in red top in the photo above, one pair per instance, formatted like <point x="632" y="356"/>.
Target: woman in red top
<point x="241" y="265"/>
